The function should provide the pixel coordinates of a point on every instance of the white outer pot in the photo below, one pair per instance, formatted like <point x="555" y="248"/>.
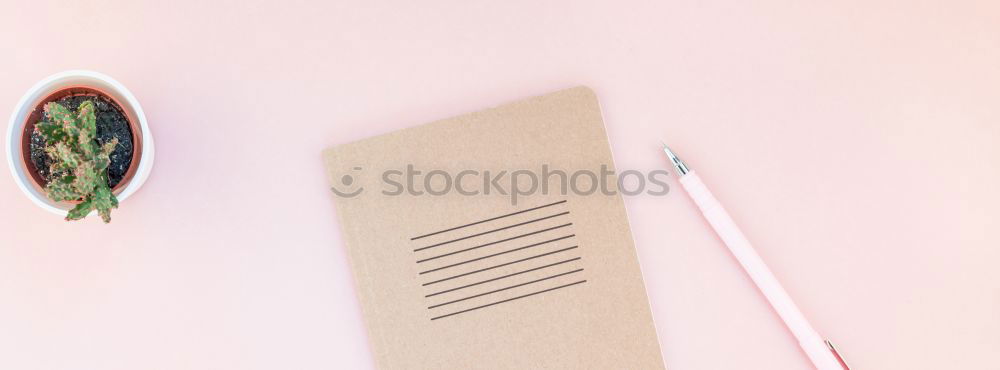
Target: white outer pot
<point x="49" y="85"/>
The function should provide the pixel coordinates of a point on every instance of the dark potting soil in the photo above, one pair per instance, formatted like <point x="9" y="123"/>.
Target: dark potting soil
<point x="111" y="123"/>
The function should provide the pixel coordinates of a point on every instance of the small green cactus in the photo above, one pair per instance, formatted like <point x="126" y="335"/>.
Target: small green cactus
<point x="79" y="163"/>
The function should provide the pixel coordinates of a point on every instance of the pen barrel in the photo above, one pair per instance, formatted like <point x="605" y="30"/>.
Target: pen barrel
<point x="810" y="341"/>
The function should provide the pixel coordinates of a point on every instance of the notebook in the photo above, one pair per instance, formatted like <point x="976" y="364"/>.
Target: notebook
<point x="461" y="261"/>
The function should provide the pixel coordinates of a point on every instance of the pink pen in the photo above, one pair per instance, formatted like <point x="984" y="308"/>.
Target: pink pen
<point x="821" y="352"/>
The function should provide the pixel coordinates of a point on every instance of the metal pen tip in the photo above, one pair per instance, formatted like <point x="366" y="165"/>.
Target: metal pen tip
<point x="681" y="167"/>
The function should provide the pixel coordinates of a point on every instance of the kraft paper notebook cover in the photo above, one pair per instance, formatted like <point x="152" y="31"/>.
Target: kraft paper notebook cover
<point x="455" y="278"/>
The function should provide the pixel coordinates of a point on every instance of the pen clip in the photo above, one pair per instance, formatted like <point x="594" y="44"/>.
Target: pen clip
<point x="836" y="354"/>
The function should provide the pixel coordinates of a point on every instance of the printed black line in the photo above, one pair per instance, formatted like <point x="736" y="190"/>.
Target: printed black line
<point x="499" y="253"/>
<point x="491" y="231"/>
<point x="503" y="289"/>
<point x="492" y="243"/>
<point x="487" y="220"/>
<point x="500" y="265"/>
<point x="508" y="300"/>
<point x="502" y="277"/>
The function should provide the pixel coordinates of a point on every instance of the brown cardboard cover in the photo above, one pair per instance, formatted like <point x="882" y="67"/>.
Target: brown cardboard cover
<point x="547" y="280"/>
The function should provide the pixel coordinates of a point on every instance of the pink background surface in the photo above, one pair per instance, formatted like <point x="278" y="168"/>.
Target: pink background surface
<point x="856" y="143"/>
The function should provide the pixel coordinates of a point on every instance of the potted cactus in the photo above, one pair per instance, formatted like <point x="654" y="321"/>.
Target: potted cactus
<point x="78" y="144"/>
<point x="77" y="161"/>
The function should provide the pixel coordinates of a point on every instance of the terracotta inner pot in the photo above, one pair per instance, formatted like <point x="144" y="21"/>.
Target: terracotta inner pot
<point x="38" y="113"/>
